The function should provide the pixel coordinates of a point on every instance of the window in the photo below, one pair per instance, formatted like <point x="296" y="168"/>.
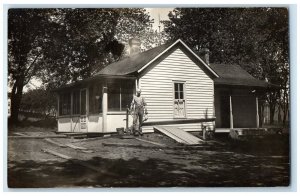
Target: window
<point x="113" y="98"/>
<point x="76" y="102"/>
<point x="179" y="100"/>
<point x="83" y="102"/>
<point x="120" y="96"/>
<point x="126" y="98"/>
<point x="178" y="90"/>
<point x="95" y="99"/>
<point x="65" y="104"/>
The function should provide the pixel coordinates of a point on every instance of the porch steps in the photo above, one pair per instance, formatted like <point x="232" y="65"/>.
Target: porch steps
<point x="246" y="133"/>
<point x="178" y="135"/>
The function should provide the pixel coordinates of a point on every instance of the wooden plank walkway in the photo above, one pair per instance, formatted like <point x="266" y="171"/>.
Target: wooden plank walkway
<point x="77" y="161"/>
<point x="21" y="134"/>
<point x="83" y="149"/>
<point x="147" y="141"/>
<point x="55" y="143"/>
<point x="36" y="137"/>
<point x="178" y="135"/>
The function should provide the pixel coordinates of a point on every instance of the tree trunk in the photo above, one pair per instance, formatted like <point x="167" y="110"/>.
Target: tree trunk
<point x="272" y="112"/>
<point x="285" y="112"/>
<point x="261" y="113"/>
<point x="272" y="101"/>
<point x="285" y="107"/>
<point x="16" y="98"/>
<point x="279" y="114"/>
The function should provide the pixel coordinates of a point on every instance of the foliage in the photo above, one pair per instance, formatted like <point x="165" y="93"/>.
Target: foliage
<point x="27" y="36"/>
<point x="60" y="46"/>
<point x="255" y="38"/>
<point x="86" y="40"/>
<point x="40" y="101"/>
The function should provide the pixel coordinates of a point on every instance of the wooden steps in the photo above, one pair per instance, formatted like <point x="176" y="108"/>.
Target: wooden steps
<point x="178" y="135"/>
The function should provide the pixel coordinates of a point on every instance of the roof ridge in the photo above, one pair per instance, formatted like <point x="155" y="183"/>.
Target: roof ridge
<point x="164" y="46"/>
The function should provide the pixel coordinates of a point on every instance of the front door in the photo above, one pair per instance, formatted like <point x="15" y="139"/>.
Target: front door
<point x="83" y="108"/>
<point x="179" y="100"/>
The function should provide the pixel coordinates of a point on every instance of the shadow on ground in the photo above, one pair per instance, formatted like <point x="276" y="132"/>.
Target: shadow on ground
<point x="255" y="162"/>
<point x="211" y="170"/>
<point x="122" y="173"/>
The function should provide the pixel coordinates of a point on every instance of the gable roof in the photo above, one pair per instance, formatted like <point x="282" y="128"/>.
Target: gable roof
<point x="133" y="63"/>
<point x="225" y="74"/>
<point x="234" y="75"/>
<point x="138" y="62"/>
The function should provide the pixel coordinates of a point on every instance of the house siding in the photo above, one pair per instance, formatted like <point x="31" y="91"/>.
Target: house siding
<point x="157" y="88"/>
<point x="64" y="124"/>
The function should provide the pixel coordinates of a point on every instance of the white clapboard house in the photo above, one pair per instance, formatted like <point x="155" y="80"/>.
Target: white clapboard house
<point x="179" y="87"/>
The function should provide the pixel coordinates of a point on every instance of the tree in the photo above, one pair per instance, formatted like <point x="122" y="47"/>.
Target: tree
<point x="61" y="46"/>
<point x="88" y="39"/>
<point x="40" y="101"/>
<point x="255" y="38"/>
<point x="26" y="37"/>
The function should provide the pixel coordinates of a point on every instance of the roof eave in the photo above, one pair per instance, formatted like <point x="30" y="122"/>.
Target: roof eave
<point x="93" y="78"/>
<point x="267" y="86"/>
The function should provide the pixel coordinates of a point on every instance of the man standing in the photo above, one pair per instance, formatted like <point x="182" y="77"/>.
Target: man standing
<point x="138" y="106"/>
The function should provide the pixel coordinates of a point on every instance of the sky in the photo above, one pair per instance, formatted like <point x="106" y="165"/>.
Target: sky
<point x="155" y="13"/>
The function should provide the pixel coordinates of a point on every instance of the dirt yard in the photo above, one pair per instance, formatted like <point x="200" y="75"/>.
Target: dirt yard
<point x="116" y="162"/>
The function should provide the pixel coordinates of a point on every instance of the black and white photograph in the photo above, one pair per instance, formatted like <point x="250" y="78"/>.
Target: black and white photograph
<point x="134" y="97"/>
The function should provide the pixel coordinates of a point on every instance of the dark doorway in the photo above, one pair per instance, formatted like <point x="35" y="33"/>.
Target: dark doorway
<point x="225" y="111"/>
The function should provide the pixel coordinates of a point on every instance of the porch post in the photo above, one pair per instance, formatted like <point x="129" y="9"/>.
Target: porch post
<point x="58" y="100"/>
<point x="57" y="114"/>
<point x="72" y="103"/>
<point x="104" y="109"/>
<point x="231" y="115"/>
<point x="87" y="102"/>
<point x="137" y="84"/>
<point x="257" y="114"/>
<point x="71" y="112"/>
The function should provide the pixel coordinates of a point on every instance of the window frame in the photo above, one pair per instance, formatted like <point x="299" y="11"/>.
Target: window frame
<point x="184" y="98"/>
<point x="60" y="102"/>
<point x="86" y="102"/>
<point x="121" y="90"/>
<point x="71" y="113"/>
<point x="72" y="100"/>
<point x="79" y="90"/>
<point x="92" y="95"/>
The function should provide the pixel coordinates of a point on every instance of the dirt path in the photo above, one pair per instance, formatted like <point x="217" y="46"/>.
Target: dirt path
<point x="151" y="166"/>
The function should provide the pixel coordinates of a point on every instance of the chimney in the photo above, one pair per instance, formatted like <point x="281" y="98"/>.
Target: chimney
<point x="204" y="54"/>
<point x="134" y="46"/>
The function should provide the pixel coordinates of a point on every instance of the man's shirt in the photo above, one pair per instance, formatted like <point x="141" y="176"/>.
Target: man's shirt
<point x="138" y="101"/>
